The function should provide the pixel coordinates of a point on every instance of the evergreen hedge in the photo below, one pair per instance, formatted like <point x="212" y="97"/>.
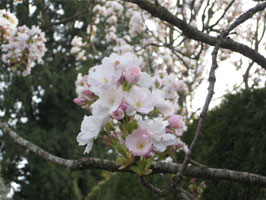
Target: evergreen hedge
<point x="234" y="137"/>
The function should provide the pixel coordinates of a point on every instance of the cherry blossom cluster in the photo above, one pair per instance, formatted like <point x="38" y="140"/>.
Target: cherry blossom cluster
<point x="21" y="46"/>
<point x="114" y="13"/>
<point x="129" y="113"/>
<point x="197" y="188"/>
<point x="77" y="48"/>
<point x="8" y="22"/>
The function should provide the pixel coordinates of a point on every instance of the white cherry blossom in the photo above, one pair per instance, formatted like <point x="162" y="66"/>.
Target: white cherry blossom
<point x="102" y="78"/>
<point x="108" y="102"/>
<point x="160" y="139"/>
<point x="90" y="128"/>
<point x="140" y="99"/>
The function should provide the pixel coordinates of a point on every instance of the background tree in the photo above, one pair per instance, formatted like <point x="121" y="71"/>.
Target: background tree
<point x="3" y="189"/>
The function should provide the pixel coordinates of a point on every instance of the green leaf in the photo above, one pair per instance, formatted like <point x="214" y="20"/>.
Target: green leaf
<point x="136" y="170"/>
<point x="109" y="127"/>
<point x="149" y="162"/>
<point x="125" y="161"/>
<point x="124" y="130"/>
<point x="147" y="172"/>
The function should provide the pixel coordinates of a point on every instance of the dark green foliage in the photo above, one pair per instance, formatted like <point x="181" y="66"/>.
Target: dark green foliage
<point x="3" y="188"/>
<point x="234" y="137"/>
<point x="124" y="186"/>
<point x="120" y="187"/>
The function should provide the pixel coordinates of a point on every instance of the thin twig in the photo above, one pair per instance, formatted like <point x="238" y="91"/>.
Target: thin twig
<point x="226" y="9"/>
<point x="241" y="19"/>
<point x="65" y="20"/>
<point x="153" y="188"/>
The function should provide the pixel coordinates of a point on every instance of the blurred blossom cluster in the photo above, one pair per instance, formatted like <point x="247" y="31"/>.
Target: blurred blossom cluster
<point x="197" y="188"/>
<point x="8" y="23"/>
<point x="21" y="46"/>
<point x="77" y="48"/>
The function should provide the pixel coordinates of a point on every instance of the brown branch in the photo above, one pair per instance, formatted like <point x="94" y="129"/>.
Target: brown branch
<point x="153" y="188"/>
<point x="222" y="16"/>
<point x="241" y="19"/>
<point x="193" y="33"/>
<point x="164" y="192"/>
<point x="246" y="75"/>
<point x="157" y="167"/>
<point x="65" y="20"/>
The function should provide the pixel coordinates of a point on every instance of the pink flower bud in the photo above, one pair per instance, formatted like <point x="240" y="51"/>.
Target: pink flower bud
<point x="123" y="106"/>
<point x="176" y="121"/>
<point x="107" y="140"/>
<point x="132" y="74"/>
<point x="118" y="114"/>
<point x="193" y="180"/>
<point x="121" y="79"/>
<point x="167" y="130"/>
<point x="203" y="184"/>
<point x="81" y="101"/>
<point x="87" y="93"/>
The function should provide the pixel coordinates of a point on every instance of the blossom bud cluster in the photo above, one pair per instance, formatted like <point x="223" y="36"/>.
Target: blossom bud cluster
<point x="83" y="92"/>
<point x="77" y="50"/>
<point x="21" y="45"/>
<point x="110" y="12"/>
<point x="8" y="22"/>
<point x="128" y="112"/>
<point x="197" y="188"/>
<point x="171" y="86"/>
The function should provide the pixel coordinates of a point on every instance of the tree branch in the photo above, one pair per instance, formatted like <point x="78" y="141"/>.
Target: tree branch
<point x="153" y="188"/>
<point x="65" y="20"/>
<point x="193" y="33"/>
<point x="241" y="19"/>
<point x="157" y="167"/>
<point x="222" y="16"/>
